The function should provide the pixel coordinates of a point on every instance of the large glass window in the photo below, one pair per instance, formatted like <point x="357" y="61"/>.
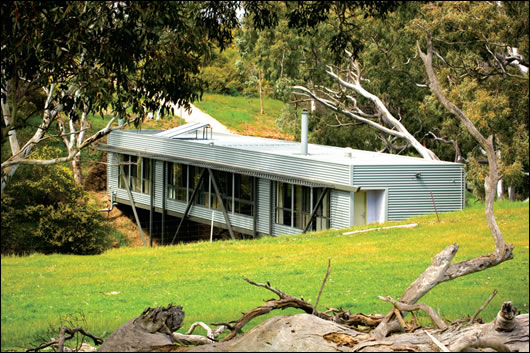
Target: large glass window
<point x="203" y="194"/>
<point x="294" y="204"/>
<point x="138" y="173"/>
<point x="244" y="194"/>
<point x="225" y="184"/>
<point x="237" y="191"/>
<point x="177" y="181"/>
<point x="147" y="170"/>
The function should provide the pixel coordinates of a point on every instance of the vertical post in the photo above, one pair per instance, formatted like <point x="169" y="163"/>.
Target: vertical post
<point x="164" y="186"/>
<point x="255" y="195"/>
<point x="152" y="163"/>
<point x="272" y="209"/>
<point x="211" y="227"/>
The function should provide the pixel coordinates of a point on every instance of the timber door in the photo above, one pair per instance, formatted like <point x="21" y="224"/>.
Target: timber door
<point x="359" y="208"/>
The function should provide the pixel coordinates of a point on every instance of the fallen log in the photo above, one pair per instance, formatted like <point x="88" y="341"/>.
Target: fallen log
<point x="412" y="225"/>
<point x="305" y="332"/>
<point x="151" y="329"/>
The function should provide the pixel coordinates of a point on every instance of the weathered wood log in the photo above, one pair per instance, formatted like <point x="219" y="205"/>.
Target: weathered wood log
<point x="305" y="332"/>
<point x="439" y="271"/>
<point x="504" y="320"/>
<point x="141" y="334"/>
<point x="287" y="301"/>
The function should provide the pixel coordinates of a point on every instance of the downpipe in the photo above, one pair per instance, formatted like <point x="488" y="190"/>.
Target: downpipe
<point x="112" y="203"/>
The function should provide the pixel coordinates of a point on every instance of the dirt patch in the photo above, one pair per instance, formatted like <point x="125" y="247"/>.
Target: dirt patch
<point x="120" y="219"/>
<point x="96" y="180"/>
<point x="265" y="131"/>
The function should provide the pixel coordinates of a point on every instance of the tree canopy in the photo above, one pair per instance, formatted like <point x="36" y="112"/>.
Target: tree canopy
<point x="130" y="57"/>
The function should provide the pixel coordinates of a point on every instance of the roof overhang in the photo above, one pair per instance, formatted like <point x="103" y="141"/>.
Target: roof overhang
<point x="204" y="163"/>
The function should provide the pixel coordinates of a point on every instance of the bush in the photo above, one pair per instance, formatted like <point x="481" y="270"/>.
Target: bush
<point x="44" y="210"/>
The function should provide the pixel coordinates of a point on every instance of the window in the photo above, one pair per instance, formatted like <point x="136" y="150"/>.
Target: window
<point x="203" y="194"/>
<point x="177" y="181"/>
<point x="137" y="171"/>
<point x="124" y="162"/>
<point x="224" y="183"/>
<point x="237" y="191"/>
<point x="244" y="194"/>
<point x="294" y="204"/>
<point x="147" y="168"/>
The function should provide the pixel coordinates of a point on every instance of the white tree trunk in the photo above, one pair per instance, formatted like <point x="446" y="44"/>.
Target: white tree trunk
<point x="511" y="193"/>
<point x="10" y="166"/>
<point x="331" y="101"/>
<point x="500" y="189"/>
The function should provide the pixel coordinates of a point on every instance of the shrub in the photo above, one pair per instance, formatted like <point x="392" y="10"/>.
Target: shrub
<point x="44" y="210"/>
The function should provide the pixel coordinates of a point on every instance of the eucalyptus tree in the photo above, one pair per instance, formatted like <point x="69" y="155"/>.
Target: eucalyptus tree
<point x="92" y="56"/>
<point x="480" y="54"/>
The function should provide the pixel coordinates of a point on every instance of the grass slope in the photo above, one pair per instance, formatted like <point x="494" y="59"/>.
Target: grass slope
<point x="242" y="114"/>
<point x="206" y="277"/>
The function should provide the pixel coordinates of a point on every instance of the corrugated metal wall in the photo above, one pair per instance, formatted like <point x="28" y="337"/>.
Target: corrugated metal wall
<point x="340" y="204"/>
<point x="410" y="196"/>
<point x="264" y="206"/>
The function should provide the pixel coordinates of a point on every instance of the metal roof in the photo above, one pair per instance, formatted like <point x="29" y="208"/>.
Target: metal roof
<point x="182" y="130"/>
<point x="331" y="154"/>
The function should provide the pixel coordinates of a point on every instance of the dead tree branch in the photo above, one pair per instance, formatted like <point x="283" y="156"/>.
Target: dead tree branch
<point x="63" y="332"/>
<point x="328" y="271"/>
<point x="482" y="307"/>
<point x="419" y="306"/>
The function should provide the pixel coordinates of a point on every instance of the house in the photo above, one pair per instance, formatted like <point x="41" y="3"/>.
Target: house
<point x="270" y="186"/>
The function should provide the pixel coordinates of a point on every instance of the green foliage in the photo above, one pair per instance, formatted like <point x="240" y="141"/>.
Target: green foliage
<point x="89" y="56"/>
<point x="44" y="210"/>
<point x="221" y="74"/>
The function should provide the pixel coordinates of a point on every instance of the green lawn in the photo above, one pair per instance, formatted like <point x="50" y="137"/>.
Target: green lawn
<point x="242" y="114"/>
<point x="205" y="278"/>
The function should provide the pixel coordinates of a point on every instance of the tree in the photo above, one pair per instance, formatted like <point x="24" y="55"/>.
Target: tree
<point x="341" y="101"/>
<point x="473" y="49"/>
<point x="92" y="56"/>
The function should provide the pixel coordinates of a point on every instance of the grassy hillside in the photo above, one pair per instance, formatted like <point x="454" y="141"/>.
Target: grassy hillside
<point x="206" y="277"/>
<point x="242" y="114"/>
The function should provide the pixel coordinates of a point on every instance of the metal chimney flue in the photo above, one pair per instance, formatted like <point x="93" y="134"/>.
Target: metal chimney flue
<point x="305" y="123"/>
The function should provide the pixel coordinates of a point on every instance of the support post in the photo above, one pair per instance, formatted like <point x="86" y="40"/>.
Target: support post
<point x="126" y="182"/>
<point x="190" y="202"/>
<point x="218" y="194"/>
<point x="152" y="162"/>
<point x="164" y="186"/>
<point x="255" y="195"/>
<point x="272" y="210"/>
<point x="317" y="206"/>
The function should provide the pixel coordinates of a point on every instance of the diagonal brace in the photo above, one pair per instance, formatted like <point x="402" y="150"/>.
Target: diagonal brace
<point x="218" y="194"/>
<point x="190" y="203"/>
<point x="126" y="182"/>
<point x="315" y="209"/>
